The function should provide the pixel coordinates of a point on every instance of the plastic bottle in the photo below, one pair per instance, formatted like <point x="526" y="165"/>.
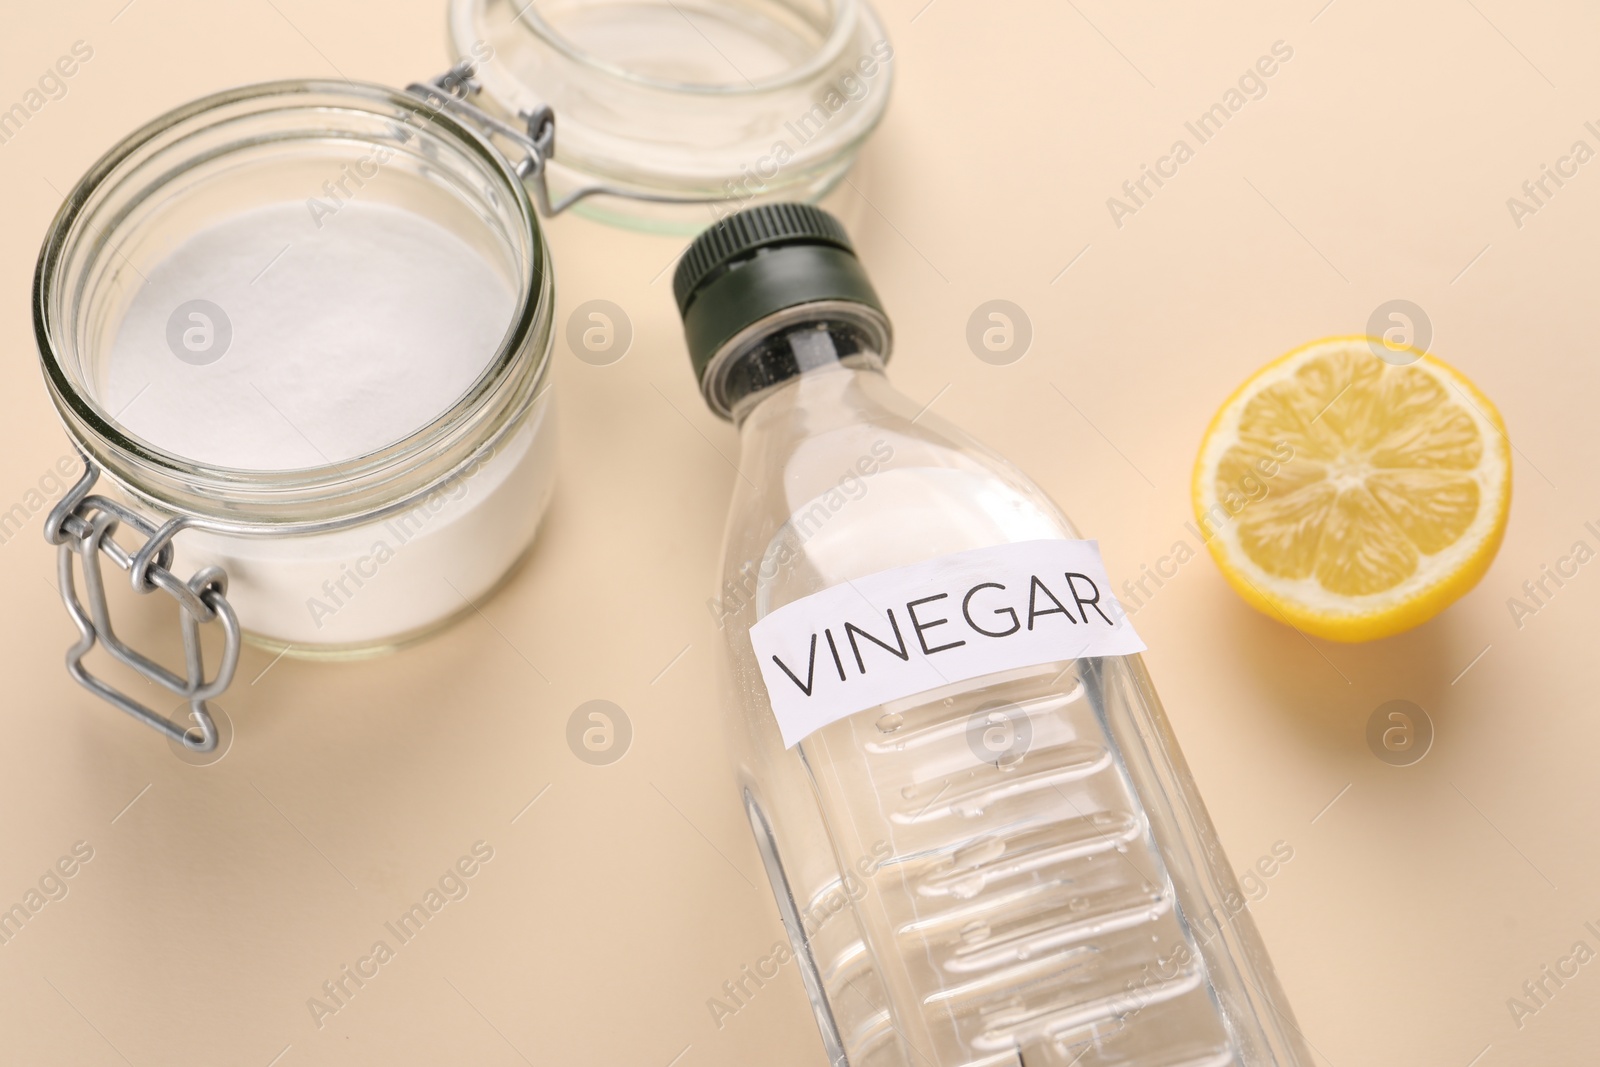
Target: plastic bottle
<point x="983" y="841"/>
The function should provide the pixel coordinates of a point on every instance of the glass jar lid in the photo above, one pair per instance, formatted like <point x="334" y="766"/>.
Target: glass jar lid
<point x="671" y="114"/>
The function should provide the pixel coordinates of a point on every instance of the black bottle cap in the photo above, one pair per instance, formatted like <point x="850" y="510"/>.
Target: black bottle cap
<point x="758" y="262"/>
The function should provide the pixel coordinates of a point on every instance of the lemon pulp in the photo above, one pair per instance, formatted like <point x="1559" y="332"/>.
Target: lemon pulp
<point x="1352" y="496"/>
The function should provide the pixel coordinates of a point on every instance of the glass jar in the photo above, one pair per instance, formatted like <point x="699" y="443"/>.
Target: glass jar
<point x="304" y="331"/>
<point x="671" y="114"/>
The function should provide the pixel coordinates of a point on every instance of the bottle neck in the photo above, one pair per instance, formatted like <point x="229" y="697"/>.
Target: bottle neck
<point x="813" y="342"/>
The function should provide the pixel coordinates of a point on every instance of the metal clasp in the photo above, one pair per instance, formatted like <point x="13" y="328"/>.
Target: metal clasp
<point x="82" y="525"/>
<point x="454" y="91"/>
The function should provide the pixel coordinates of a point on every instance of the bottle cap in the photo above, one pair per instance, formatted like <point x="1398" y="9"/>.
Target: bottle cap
<point x="758" y="262"/>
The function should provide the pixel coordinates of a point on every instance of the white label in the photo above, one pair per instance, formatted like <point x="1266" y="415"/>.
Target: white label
<point x="905" y="631"/>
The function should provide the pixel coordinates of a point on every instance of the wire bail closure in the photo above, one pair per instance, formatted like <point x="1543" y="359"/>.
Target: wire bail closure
<point x="82" y="525"/>
<point x="454" y="91"/>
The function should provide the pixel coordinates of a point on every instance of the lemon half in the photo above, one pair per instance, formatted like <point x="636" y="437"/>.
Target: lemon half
<point x="1354" y="496"/>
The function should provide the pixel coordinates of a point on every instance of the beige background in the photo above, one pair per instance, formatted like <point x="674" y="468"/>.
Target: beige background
<point x="1377" y="166"/>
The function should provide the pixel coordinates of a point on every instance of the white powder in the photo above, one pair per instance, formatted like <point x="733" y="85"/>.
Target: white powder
<point x="345" y="338"/>
<point x="378" y="582"/>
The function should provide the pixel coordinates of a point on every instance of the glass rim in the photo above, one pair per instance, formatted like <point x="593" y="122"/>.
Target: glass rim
<point x="845" y="14"/>
<point x="330" y="493"/>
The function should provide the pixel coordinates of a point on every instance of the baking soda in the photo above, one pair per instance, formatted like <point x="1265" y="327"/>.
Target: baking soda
<point x="267" y="343"/>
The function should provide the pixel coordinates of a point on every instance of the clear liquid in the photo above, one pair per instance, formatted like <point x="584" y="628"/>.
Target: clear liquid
<point x="1024" y="909"/>
<point x="1021" y="912"/>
